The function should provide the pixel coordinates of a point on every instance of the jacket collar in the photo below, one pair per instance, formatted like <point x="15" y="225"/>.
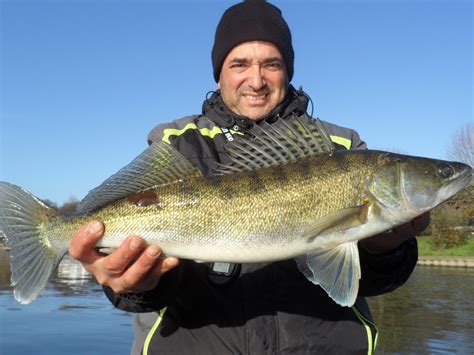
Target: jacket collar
<point x="295" y="102"/>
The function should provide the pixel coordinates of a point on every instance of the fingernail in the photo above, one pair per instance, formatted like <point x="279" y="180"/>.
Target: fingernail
<point x="94" y="227"/>
<point x="153" y="251"/>
<point x="135" y="244"/>
<point x="171" y="262"/>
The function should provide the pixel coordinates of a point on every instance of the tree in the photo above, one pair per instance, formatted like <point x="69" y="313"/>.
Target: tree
<point x="461" y="147"/>
<point x="50" y="203"/>
<point x="446" y="227"/>
<point x="69" y="206"/>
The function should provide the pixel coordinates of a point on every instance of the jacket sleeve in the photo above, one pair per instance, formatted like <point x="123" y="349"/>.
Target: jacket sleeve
<point x="384" y="273"/>
<point x="149" y="301"/>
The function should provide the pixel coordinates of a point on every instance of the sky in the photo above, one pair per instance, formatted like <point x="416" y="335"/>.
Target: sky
<point x="83" y="82"/>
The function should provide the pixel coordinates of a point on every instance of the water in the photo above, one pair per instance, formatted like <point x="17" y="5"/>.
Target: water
<point x="72" y="317"/>
<point x="433" y="313"/>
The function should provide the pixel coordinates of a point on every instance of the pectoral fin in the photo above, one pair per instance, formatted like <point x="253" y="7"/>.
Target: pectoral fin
<point x="336" y="270"/>
<point x="339" y="220"/>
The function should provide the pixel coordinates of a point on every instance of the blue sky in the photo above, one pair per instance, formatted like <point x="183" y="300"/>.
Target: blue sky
<point x="82" y="82"/>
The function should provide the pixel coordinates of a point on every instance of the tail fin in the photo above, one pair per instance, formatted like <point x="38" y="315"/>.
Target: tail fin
<point x="33" y="255"/>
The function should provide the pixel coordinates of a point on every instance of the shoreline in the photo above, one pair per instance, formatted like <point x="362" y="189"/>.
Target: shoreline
<point x="451" y="261"/>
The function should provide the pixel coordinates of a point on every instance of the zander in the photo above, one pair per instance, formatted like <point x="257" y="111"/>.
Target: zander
<point x="285" y="192"/>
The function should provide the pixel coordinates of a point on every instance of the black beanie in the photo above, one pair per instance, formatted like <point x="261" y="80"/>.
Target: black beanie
<point x="252" y="20"/>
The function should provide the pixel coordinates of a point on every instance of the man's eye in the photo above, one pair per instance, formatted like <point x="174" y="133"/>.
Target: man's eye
<point x="274" y="65"/>
<point x="237" y="65"/>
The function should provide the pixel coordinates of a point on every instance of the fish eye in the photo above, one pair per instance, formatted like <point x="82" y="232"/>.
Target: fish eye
<point x="446" y="171"/>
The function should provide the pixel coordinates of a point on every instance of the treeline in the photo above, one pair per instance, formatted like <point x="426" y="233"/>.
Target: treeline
<point x="67" y="207"/>
<point x="452" y="223"/>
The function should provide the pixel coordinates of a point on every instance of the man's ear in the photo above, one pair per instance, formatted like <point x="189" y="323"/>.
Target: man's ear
<point x="219" y="84"/>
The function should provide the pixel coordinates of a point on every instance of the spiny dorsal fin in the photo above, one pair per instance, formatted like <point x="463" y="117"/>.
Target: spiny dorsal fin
<point x="275" y="144"/>
<point x="159" y="164"/>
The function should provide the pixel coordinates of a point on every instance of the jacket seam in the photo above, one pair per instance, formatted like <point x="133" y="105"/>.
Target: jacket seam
<point x="370" y="329"/>
<point x="152" y="331"/>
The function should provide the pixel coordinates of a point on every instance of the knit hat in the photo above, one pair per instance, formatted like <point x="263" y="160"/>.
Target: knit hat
<point x="252" y="20"/>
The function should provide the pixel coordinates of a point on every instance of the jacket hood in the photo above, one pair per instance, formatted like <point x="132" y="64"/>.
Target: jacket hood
<point x="295" y="102"/>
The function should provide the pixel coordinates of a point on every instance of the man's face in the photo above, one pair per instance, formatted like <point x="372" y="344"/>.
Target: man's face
<point x="253" y="79"/>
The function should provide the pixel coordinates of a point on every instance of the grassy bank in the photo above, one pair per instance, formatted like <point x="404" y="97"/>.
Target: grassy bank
<point x="425" y="249"/>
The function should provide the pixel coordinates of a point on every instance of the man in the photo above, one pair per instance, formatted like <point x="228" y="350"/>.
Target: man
<point x="217" y="308"/>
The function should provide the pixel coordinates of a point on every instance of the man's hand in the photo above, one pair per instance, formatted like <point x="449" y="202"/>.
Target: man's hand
<point x="134" y="267"/>
<point x="385" y="242"/>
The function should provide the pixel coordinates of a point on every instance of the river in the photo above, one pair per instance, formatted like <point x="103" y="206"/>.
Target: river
<point x="433" y="313"/>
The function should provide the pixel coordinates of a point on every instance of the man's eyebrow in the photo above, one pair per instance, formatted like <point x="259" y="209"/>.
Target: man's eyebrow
<point x="239" y="60"/>
<point x="272" y="59"/>
<point x="265" y="61"/>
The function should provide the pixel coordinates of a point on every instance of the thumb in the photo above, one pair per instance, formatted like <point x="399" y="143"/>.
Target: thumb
<point x="82" y="243"/>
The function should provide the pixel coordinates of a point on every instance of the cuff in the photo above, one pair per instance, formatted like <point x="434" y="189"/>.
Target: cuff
<point x="386" y="272"/>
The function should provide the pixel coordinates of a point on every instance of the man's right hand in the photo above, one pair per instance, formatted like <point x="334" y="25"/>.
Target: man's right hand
<point x="133" y="267"/>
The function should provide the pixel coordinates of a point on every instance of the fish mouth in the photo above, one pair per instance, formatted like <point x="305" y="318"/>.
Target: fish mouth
<point x="458" y="182"/>
<point x="465" y="177"/>
<point x="468" y="176"/>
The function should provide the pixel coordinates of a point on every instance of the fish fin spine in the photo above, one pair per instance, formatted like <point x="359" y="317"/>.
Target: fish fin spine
<point x="336" y="270"/>
<point x="33" y="254"/>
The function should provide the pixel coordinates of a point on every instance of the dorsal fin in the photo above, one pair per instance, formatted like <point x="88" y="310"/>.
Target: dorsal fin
<point x="159" y="164"/>
<point x="284" y="141"/>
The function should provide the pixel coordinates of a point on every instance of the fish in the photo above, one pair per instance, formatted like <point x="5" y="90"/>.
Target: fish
<point x="284" y="191"/>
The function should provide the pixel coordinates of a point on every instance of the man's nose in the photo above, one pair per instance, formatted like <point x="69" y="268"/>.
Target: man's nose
<point x="257" y="77"/>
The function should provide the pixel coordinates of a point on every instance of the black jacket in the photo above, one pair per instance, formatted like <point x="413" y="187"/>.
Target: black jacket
<point x="265" y="308"/>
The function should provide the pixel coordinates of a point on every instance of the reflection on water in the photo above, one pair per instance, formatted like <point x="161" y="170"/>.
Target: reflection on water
<point x="71" y="317"/>
<point x="69" y="278"/>
<point x="432" y="313"/>
<point x="4" y="269"/>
